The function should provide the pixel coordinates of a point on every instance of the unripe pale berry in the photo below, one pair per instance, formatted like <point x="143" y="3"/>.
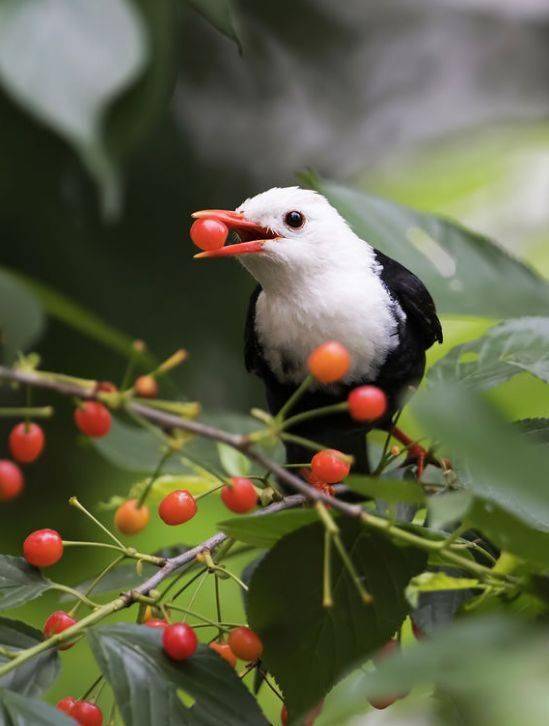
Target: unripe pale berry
<point x="329" y="362"/>
<point x="131" y="519"/>
<point x="146" y="387"/>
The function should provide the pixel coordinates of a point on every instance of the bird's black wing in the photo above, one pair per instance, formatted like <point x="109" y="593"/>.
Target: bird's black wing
<point x="253" y="355"/>
<point x="413" y="297"/>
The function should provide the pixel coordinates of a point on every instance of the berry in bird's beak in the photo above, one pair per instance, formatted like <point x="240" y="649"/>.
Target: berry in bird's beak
<point x="210" y="238"/>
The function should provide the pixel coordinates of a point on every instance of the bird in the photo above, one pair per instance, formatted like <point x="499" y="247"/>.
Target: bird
<point x="317" y="280"/>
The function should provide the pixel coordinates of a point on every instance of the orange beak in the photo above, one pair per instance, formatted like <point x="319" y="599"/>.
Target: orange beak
<point x="254" y="236"/>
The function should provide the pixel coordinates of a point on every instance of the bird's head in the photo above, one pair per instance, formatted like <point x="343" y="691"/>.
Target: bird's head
<point x="285" y="230"/>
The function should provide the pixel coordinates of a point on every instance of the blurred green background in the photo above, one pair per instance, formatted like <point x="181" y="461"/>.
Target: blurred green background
<point x="440" y="105"/>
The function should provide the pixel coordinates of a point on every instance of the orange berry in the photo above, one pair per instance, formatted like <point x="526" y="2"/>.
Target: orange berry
<point x="146" y="387"/>
<point x="129" y="519"/>
<point x="329" y="362"/>
<point x="224" y="650"/>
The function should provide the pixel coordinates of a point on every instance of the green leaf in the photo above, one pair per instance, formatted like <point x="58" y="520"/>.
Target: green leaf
<point x="457" y="266"/>
<point x="535" y="429"/>
<point x="234" y="462"/>
<point x="146" y="683"/>
<point x="220" y="13"/>
<point x="482" y="662"/>
<point x="509" y="533"/>
<point x="164" y="485"/>
<point x="308" y="648"/>
<point x="513" y="347"/>
<point x="17" y="710"/>
<point x="70" y="85"/>
<point x="437" y="582"/>
<point x="19" y="582"/>
<point x="75" y="316"/>
<point x="391" y="490"/>
<point x="21" y="317"/>
<point x="35" y="676"/>
<point x="265" y="531"/>
<point x="444" y="509"/>
<point x="490" y="456"/>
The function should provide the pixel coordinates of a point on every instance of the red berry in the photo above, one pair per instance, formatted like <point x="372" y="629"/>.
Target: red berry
<point x="12" y="482"/>
<point x="179" y="641"/>
<point x="156" y="623"/>
<point x="245" y="644"/>
<point x="367" y="403"/>
<point x="87" y="713"/>
<point x="382" y="702"/>
<point x="284" y="715"/>
<point x="93" y="419"/>
<point x="131" y="519"/>
<point x="26" y="442"/>
<point x="43" y="548"/>
<point x="107" y="387"/>
<point x="240" y="496"/>
<point x="146" y="387"/>
<point x="57" y="623"/>
<point x="67" y="704"/>
<point x="177" y="507"/>
<point x="330" y="466"/>
<point x="329" y="362"/>
<point x="224" y="650"/>
<point x="209" y="234"/>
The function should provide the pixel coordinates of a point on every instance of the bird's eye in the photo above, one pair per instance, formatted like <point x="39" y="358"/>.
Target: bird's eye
<point x="294" y="219"/>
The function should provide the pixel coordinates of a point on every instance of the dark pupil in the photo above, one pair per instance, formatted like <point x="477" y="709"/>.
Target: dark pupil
<point x="294" y="219"/>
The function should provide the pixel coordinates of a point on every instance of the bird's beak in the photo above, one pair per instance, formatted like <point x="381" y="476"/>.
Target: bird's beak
<point x="253" y="235"/>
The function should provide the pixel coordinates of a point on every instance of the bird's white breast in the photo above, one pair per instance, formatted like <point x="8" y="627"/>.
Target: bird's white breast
<point x="354" y="309"/>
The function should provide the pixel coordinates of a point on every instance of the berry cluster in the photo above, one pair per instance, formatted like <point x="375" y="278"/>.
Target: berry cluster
<point x="26" y="442"/>
<point x="85" y="713"/>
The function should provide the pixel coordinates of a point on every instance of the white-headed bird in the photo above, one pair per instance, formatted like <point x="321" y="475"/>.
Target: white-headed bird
<point x="319" y="281"/>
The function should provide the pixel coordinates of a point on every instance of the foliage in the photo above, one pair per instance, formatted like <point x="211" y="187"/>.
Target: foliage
<point x="460" y="549"/>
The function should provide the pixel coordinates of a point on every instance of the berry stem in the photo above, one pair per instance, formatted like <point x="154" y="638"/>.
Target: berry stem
<point x="327" y="599"/>
<point x="27" y="412"/>
<point x="307" y="443"/>
<point x="92" y="688"/>
<point x="73" y="501"/>
<point x="154" y="476"/>
<point x="97" y="580"/>
<point x="76" y="593"/>
<point x="294" y="398"/>
<point x="316" y="413"/>
<point x="7" y="653"/>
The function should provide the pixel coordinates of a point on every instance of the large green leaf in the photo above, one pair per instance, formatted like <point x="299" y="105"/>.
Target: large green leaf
<point x="220" y="13"/>
<point x="136" y="449"/>
<point x="493" y="460"/>
<point x="465" y="272"/>
<point x="308" y="648"/>
<point x="265" y="531"/>
<point x="513" y="347"/>
<point x="67" y="311"/>
<point x="535" y="429"/>
<point x="34" y="676"/>
<point x="483" y="663"/>
<point x="65" y="61"/>
<point x="21" y="317"/>
<point x="19" y="582"/>
<point x="17" y="710"/>
<point x="146" y="682"/>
